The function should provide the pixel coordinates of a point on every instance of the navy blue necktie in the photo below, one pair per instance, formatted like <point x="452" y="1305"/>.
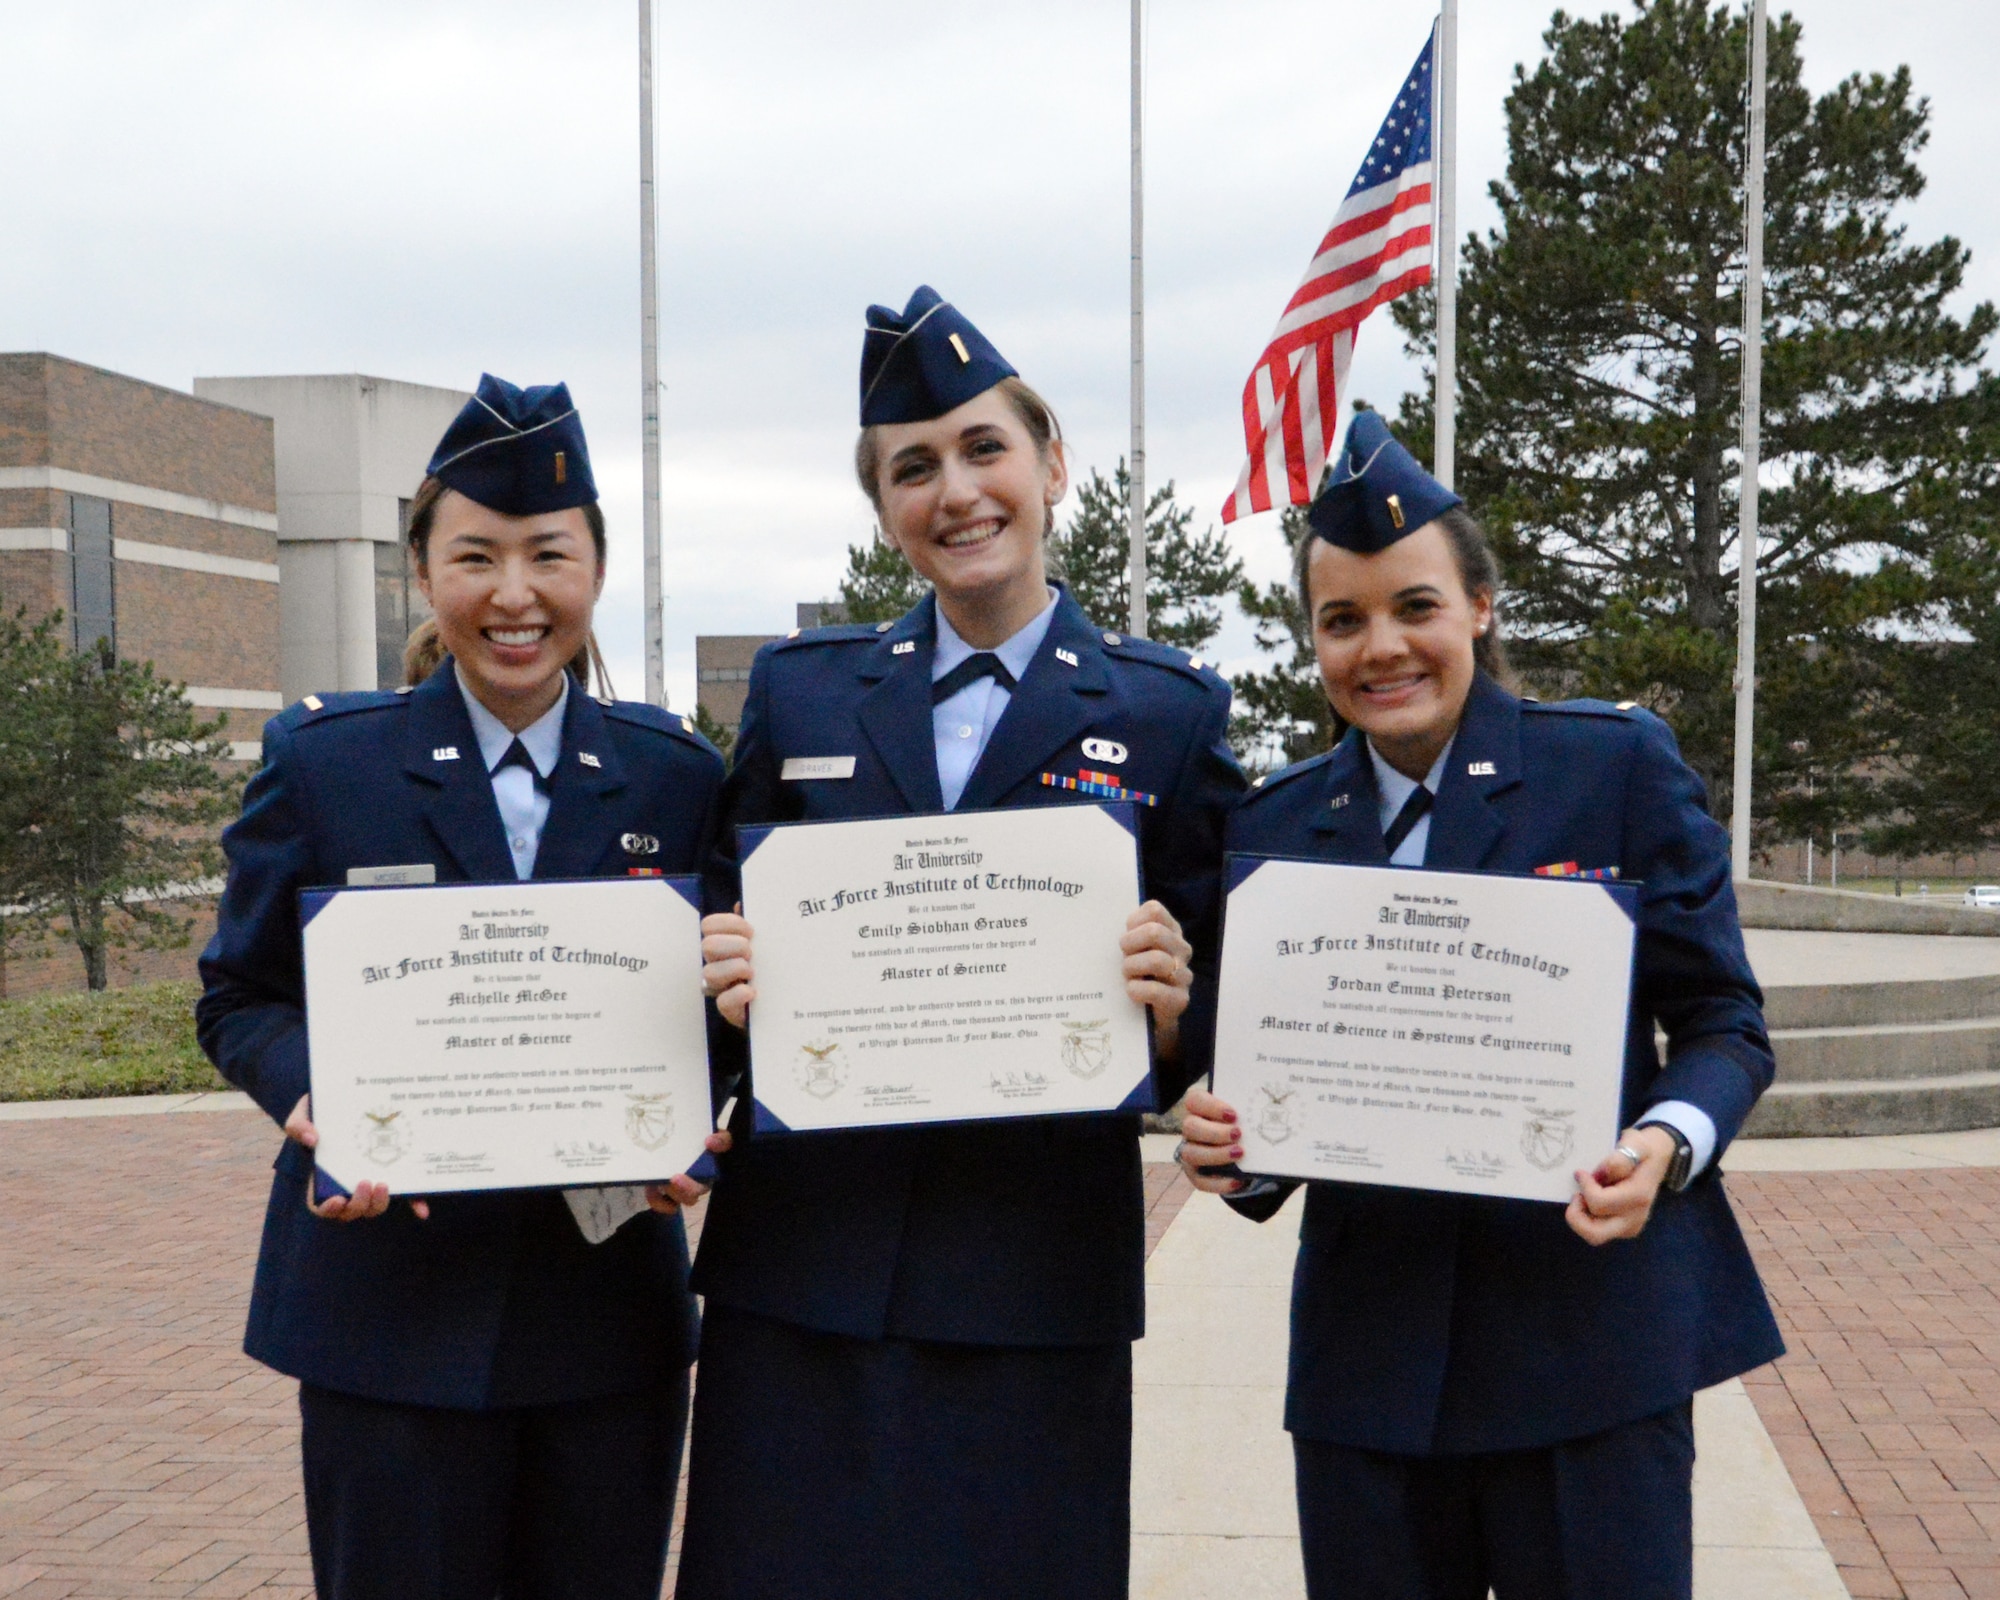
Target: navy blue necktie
<point x="517" y="756"/>
<point x="1415" y="809"/>
<point x="984" y="665"/>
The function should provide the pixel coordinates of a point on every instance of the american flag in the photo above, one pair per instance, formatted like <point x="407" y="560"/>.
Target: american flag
<point x="1378" y="247"/>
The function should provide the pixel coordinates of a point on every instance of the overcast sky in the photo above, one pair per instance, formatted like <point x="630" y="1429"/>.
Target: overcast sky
<point x="422" y="189"/>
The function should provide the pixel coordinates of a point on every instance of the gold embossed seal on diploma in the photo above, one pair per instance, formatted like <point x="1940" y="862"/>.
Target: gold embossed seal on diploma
<point x="1427" y="1030"/>
<point x="944" y="968"/>
<point x="499" y="1036"/>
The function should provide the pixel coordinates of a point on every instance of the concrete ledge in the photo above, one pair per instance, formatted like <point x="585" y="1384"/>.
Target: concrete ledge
<point x="1848" y="1107"/>
<point x="1891" y="1051"/>
<point x="1856" y="1005"/>
<point x="125" y="1105"/>
<point x="1794" y="905"/>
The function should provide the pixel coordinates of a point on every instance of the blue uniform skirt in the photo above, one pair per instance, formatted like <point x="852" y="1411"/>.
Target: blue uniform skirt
<point x="896" y="1469"/>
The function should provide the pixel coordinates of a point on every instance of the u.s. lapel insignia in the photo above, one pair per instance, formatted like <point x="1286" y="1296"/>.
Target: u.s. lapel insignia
<point x="903" y="647"/>
<point x="1109" y="751"/>
<point x="588" y="759"/>
<point x="1338" y="801"/>
<point x="1479" y="769"/>
<point x="445" y="752"/>
<point x="1066" y="657"/>
<point x="639" y="844"/>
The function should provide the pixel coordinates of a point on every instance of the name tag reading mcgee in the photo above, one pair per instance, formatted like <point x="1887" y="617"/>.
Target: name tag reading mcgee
<point x="798" y="769"/>
<point x="384" y="877"/>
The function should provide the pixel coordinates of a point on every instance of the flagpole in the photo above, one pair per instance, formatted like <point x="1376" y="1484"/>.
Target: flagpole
<point x="1445" y="411"/>
<point x="1753" y="399"/>
<point x="649" y="372"/>
<point x="1135" y="514"/>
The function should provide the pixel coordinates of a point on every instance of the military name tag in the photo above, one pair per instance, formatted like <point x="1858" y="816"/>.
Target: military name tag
<point x="798" y="769"/>
<point x="383" y="877"/>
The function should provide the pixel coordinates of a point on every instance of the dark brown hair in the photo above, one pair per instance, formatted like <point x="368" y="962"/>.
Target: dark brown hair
<point x="1036" y="415"/>
<point x="1477" y="570"/>
<point x="424" y="652"/>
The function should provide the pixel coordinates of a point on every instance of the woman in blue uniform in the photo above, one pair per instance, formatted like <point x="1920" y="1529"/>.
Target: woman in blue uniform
<point x="916" y="1359"/>
<point x="492" y="1386"/>
<point x="1492" y="1393"/>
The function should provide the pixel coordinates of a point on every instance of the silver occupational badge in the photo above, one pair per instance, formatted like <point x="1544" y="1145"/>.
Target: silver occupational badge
<point x="639" y="844"/>
<point x="1109" y="751"/>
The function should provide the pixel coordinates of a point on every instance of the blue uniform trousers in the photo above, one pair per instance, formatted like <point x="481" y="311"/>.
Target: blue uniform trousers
<point x="570" y="1501"/>
<point x="905" y="1469"/>
<point x="1609" y="1514"/>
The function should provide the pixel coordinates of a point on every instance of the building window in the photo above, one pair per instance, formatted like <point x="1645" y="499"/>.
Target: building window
<point x="93" y="583"/>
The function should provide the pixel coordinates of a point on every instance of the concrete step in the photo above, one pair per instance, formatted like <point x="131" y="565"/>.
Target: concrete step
<point x="1851" y="1005"/>
<point x="1944" y="1103"/>
<point x="1887" y="1051"/>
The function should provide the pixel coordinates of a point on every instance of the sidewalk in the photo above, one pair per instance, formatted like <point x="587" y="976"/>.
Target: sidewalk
<point x="140" y="1452"/>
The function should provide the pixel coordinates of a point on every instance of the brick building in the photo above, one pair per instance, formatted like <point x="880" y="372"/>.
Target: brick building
<point x="722" y="661"/>
<point x="149" y="517"/>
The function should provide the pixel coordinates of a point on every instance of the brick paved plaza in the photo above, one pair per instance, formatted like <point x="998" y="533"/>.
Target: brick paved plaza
<point x="142" y="1454"/>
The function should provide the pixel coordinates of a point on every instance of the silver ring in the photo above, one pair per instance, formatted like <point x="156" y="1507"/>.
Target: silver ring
<point x="1631" y="1155"/>
<point x="1180" y="1154"/>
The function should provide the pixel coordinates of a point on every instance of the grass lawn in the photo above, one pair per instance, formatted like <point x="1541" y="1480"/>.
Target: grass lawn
<point x="82" y="1046"/>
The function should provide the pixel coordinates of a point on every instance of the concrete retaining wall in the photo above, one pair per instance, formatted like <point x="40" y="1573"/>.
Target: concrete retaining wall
<point x="1793" y="905"/>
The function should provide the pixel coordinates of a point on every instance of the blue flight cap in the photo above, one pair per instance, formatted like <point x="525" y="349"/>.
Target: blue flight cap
<point x="1376" y="492"/>
<point x="516" y="451"/>
<point x="925" y="362"/>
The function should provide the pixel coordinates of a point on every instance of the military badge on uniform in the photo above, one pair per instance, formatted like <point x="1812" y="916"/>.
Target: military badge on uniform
<point x="589" y="760"/>
<point x="639" y="844"/>
<point x="1103" y="785"/>
<point x="1109" y="751"/>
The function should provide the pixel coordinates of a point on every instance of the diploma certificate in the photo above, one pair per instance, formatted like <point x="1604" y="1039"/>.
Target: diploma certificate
<point x="944" y="968"/>
<point x="1425" y="1030"/>
<point x="506" y="1036"/>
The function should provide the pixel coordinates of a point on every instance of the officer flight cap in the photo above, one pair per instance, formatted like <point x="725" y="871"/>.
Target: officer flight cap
<point x="924" y="362"/>
<point x="1376" y="492"/>
<point x="516" y="451"/>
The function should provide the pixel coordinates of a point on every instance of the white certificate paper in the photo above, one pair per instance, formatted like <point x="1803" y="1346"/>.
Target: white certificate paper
<point x="944" y="968"/>
<point x="502" y="1036"/>
<point x="1425" y="1030"/>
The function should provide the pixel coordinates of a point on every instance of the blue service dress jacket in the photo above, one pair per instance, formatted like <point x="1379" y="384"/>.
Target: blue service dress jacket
<point x="1431" y="1324"/>
<point x="1019" y="1233"/>
<point x="497" y="1300"/>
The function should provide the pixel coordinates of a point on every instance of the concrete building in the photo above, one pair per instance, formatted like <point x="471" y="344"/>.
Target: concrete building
<point x="150" y="517"/>
<point x="722" y="661"/>
<point x="351" y="451"/>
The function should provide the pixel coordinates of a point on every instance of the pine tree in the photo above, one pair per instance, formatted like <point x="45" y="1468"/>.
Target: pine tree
<point x="1599" y="415"/>
<point x="1188" y="574"/>
<point x="1281" y="712"/>
<point x="110" y="793"/>
<point x="879" y="585"/>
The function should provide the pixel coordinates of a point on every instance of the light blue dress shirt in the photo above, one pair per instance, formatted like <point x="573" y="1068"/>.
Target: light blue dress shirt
<point x="524" y="808"/>
<point x="962" y="725"/>
<point x="1693" y="1123"/>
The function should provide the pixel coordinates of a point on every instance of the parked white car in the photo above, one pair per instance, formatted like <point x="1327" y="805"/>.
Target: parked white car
<point x="1986" y="896"/>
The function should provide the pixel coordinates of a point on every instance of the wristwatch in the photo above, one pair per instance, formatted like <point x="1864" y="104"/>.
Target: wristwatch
<point x="1680" y="1170"/>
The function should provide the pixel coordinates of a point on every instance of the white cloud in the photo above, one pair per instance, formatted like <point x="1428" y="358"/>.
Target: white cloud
<point x="426" y="188"/>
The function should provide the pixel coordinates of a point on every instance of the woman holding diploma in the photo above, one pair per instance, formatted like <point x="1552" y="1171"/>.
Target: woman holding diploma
<point x="916" y="1360"/>
<point x="1492" y="1392"/>
<point x="492" y="1386"/>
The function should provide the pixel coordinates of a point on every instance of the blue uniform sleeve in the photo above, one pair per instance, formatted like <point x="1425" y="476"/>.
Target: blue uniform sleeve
<point x="1693" y="974"/>
<point x="752" y="792"/>
<point x="1184" y="873"/>
<point x="251" y="1017"/>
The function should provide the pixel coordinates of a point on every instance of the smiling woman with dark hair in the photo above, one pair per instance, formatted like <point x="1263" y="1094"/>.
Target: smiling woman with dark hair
<point x="493" y="1387"/>
<point x="916" y="1366"/>
<point x="1496" y="1393"/>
